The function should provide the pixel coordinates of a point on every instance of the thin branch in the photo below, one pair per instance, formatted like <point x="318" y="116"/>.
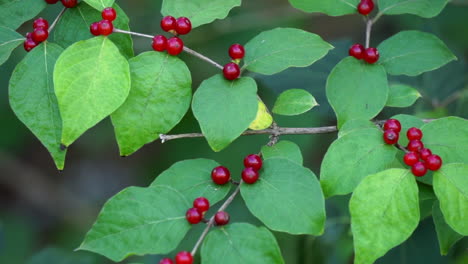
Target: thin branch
<point x="57" y="19"/>
<point x="132" y="33"/>
<point x="368" y="31"/>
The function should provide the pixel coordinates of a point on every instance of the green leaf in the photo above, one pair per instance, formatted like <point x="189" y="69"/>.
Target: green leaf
<point x="241" y="243"/>
<point x="100" y="4"/>
<point x="445" y="234"/>
<point x="193" y="179"/>
<point x="9" y="40"/>
<point x="451" y="187"/>
<point x="294" y="102"/>
<point x="267" y="53"/>
<point x="92" y="80"/>
<point x="283" y="149"/>
<point x="159" y="97"/>
<point x="33" y="100"/>
<point x="286" y="189"/>
<point x="448" y="138"/>
<point x="422" y="8"/>
<point x="14" y="13"/>
<point x="224" y="109"/>
<point x="199" y="12"/>
<point x="413" y="52"/>
<point x="363" y="84"/>
<point x="351" y="158"/>
<point x="74" y="26"/>
<point x="329" y="7"/>
<point x="139" y="221"/>
<point x="401" y="95"/>
<point x="384" y="212"/>
<point x="353" y="125"/>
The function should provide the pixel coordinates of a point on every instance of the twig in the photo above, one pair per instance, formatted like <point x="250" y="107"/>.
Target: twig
<point x="132" y="33"/>
<point x="57" y="19"/>
<point x="368" y="31"/>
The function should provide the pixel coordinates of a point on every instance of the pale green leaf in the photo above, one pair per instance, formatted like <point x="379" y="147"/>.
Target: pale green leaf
<point x="13" y="13"/>
<point x="422" y="8"/>
<point x="445" y="234"/>
<point x="283" y="149"/>
<point x="355" y="124"/>
<point x="329" y="7"/>
<point x="401" y="95"/>
<point x="9" y="40"/>
<point x="100" y="4"/>
<point x="294" y="102"/>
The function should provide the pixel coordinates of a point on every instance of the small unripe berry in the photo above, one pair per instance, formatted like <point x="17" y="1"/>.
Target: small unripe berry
<point x="41" y="23"/>
<point x="193" y="216"/>
<point x="184" y="257"/>
<point x="419" y="169"/>
<point x="106" y="27"/>
<point x="159" y="43"/>
<point x="433" y="162"/>
<point x="365" y="7"/>
<point x="221" y="218"/>
<point x="411" y="158"/>
<point x="168" y="23"/>
<point x="231" y="71"/>
<point x="390" y="136"/>
<point x="249" y="175"/>
<point x="357" y="51"/>
<point x="166" y="261"/>
<point x="415" y="145"/>
<point x="174" y="46"/>
<point x="201" y="204"/>
<point x="183" y="26"/>
<point x="69" y="3"/>
<point x="236" y="51"/>
<point x="109" y="14"/>
<point x="220" y="175"/>
<point x="371" y="55"/>
<point x="392" y="124"/>
<point x="94" y="29"/>
<point x="253" y="161"/>
<point x="39" y="35"/>
<point x="414" y="133"/>
<point x="424" y="153"/>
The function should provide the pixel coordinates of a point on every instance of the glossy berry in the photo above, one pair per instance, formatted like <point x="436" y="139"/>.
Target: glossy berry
<point x="39" y="35"/>
<point x="166" y="261"/>
<point x="424" y="153"/>
<point x="371" y="55"/>
<point x="392" y="124"/>
<point x="414" y="133"/>
<point x="365" y="7"/>
<point x="159" y="43"/>
<point x="106" y="27"/>
<point x="184" y="257"/>
<point x="390" y="136"/>
<point x="236" y="51"/>
<point x="29" y="44"/>
<point x="433" y="162"/>
<point x="201" y="204"/>
<point x="231" y="71"/>
<point x="41" y="23"/>
<point x="69" y="3"/>
<point x="411" y="158"/>
<point x="29" y="35"/>
<point x="419" y="169"/>
<point x="109" y="13"/>
<point x="254" y="161"/>
<point x="415" y="145"/>
<point x="357" y="51"/>
<point x="175" y="46"/>
<point x="249" y="175"/>
<point x="51" y="1"/>
<point x="183" y="26"/>
<point x="221" y="218"/>
<point x="168" y="23"/>
<point x="94" y="29"/>
<point x="193" y="216"/>
<point x="220" y="175"/>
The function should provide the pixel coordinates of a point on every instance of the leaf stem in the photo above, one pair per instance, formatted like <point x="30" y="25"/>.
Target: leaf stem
<point x="369" y="24"/>
<point x="57" y="19"/>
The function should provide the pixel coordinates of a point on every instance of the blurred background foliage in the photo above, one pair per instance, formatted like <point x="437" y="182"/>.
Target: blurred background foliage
<point x="44" y="214"/>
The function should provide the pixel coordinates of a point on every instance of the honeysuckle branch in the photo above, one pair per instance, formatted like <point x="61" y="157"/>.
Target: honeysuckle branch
<point x="57" y="19"/>
<point x="369" y="24"/>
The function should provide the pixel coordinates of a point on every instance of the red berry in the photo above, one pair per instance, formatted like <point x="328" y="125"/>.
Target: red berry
<point x="106" y="27"/>
<point x="220" y="175"/>
<point x="51" y="1"/>
<point x="371" y="55"/>
<point x="41" y="23"/>
<point x="69" y="3"/>
<point x="221" y="218"/>
<point x="183" y="26"/>
<point x="29" y="35"/>
<point x="419" y="169"/>
<point x="39" y="35"/>
<point x="94" y="29"/>
<point x="390" y="136"/>
<point x="29" y="44"/>
<point x="424" y="153"/>
<point x="175" y="46"/>
<point x="184" y="257"/>
<point x="357" y="51"/>
<point x="411" y="158"/>
<point x="109" y="13"/>
<point x="159" y="43"/>
<point x="168" y="23"/>
<point x="253" y="161"/>
<point x="201" y="204"/>
<point x="365" y="7"/>
<point x="193" y="216"/>
<point x="433" y="162"/>
<point x="166" y="261"/>
<point x="249" y="175"/>
<point x="392" y="124"/>
<point x="236" y="51"/>
<point x="231" y="71"/>
<point x="414" y="133"/>
<point x="415" y="145"/>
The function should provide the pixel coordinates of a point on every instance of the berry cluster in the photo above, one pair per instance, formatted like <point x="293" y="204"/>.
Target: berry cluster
<point x="231" y="70"/>
<point x="65" y="3"/>
<point x="370" y="55"/>
<point x="104" y="27"/>
<point x="40" y="34"/>
<point x="365" y="7"/>
<point x="418" y="157"/>
<point x="183" y="257"/>
<point x="174" y="45"/>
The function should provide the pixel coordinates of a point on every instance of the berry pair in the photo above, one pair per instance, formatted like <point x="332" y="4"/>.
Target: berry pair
<point x="418" y="157"/>
<point x="370" y="55"/>
<point x="65" y="3"/>
<point x="179" y="26"/>
<point x="365" y="7"/>
<point x="392" y="128"/>
<point x="183" y="257"/>
<point x="231" y="71"/>
<point x="104" y="27"/>
<point x="195" y="214"/>
<point x="252" y="163"/>
<point x="40" y="34"/>
<point x="175" y="45"/>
